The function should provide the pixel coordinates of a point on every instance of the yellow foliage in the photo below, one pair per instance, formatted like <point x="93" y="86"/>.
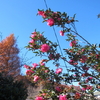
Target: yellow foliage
<point x="9" y="60"/>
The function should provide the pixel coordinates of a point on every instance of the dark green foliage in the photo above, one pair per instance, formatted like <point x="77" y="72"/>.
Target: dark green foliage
<point x="98" y="15"/>
<point x="11" y="89"/>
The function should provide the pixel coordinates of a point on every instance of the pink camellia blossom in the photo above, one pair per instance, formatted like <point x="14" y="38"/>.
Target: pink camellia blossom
<point x="26" y="66"/>
<point x="46" y="71"/>
<point x="83" y="59"/>
<point x="32" y="41"/>
<point x="44" y="94"/>
<point x="90" y="78"/>
<point x="31" y="45"/>
<point x="58" y="70"/>
<point x="74" y="75"/>
<point x="50" y="22"/>
<point x="58" y="89"/>
<point x="55" y="13"/>
<point x="33" y="35"/>
<point x="84" y="89"/>
<point x="42" y="13"/>
<point x="89" y="87"/>
<point x="83" y="50"/>
<point x="32" y="68"/>
<point x="44" y="47"/>
<point x="40" y="35"/>
<point x="86" y="80"/>
<point x="42" y="64"/>
<point x="34" y="65"/>
<point x="36" y="78"/>
<point x="73" y="43"/>
<point x="70" y="50"/>
<point x="97" y="56"/>
<point x="85" y="74"/>
<point x="62" y="33"/>
<point x="59" y="19"/>
<point x="77" y="95"/>
<point x="72" y="62"/>
<point x="39" y="98"/>
<point x="62" y="97"/>
<point x="29" y="72"/>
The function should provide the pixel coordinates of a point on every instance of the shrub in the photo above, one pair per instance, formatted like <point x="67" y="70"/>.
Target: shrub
<point x="11" y="89"/>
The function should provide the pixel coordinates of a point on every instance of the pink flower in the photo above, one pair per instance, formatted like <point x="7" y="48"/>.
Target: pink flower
<point x="97" y="56"/>
<point x="86" y="80"/>
<point x="31" y="45"/>
<point x="90" y="78"/>
<point x="55" y="13"/>
<point x="62" y="97"/>
<point x="72" y="43"/>
<point x="26" y="66"/>
<point x="32" y="41"/>
<point x="46" y="71"/>
<point x="36" y="78"/>
<point x="39" y="98"/>
<point x="77" y="95"/>
<point x="59" y="19"/>
<point x="59" y="70"/>
<point x="42" y="13"/>
<point x="84" y="89"/>
<point x="42" y="64"/>
<point x="34" y="65"/>
<point x="89" y="87"/>
<point x="29" y="72"/>
<point x="83" y="50"/>
<point x="58" y="89"/>
<point x="44" y="94"/>
<point x="83" y="59"/>
<point x="41" y="35"/>
<point x="85" y="74"/>
<point x="44" y="47"/>
<point x="72" y="62"/>
<point x="33" y="35"/>
<point x="62" y="33"/>
<point x="70" y="50"/>
<point x="50" y="22"/>
<point x="74" y="75"/>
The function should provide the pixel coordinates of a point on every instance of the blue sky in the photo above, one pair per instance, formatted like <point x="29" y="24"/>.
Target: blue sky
<point x="19" y="17"/>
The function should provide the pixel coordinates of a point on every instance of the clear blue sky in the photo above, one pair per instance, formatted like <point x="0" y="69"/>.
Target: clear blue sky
<point x="19" y="17"/>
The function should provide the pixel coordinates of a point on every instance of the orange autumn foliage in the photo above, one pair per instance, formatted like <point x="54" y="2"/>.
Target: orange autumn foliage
<point x="9" y="59"/>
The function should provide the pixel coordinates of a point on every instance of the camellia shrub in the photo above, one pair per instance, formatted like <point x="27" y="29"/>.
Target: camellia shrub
<point x="11" y="89"/>
<point x="83" y="57"/>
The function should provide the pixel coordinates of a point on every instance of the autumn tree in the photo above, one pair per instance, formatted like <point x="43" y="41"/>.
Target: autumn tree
<point x="9" y="59"/>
